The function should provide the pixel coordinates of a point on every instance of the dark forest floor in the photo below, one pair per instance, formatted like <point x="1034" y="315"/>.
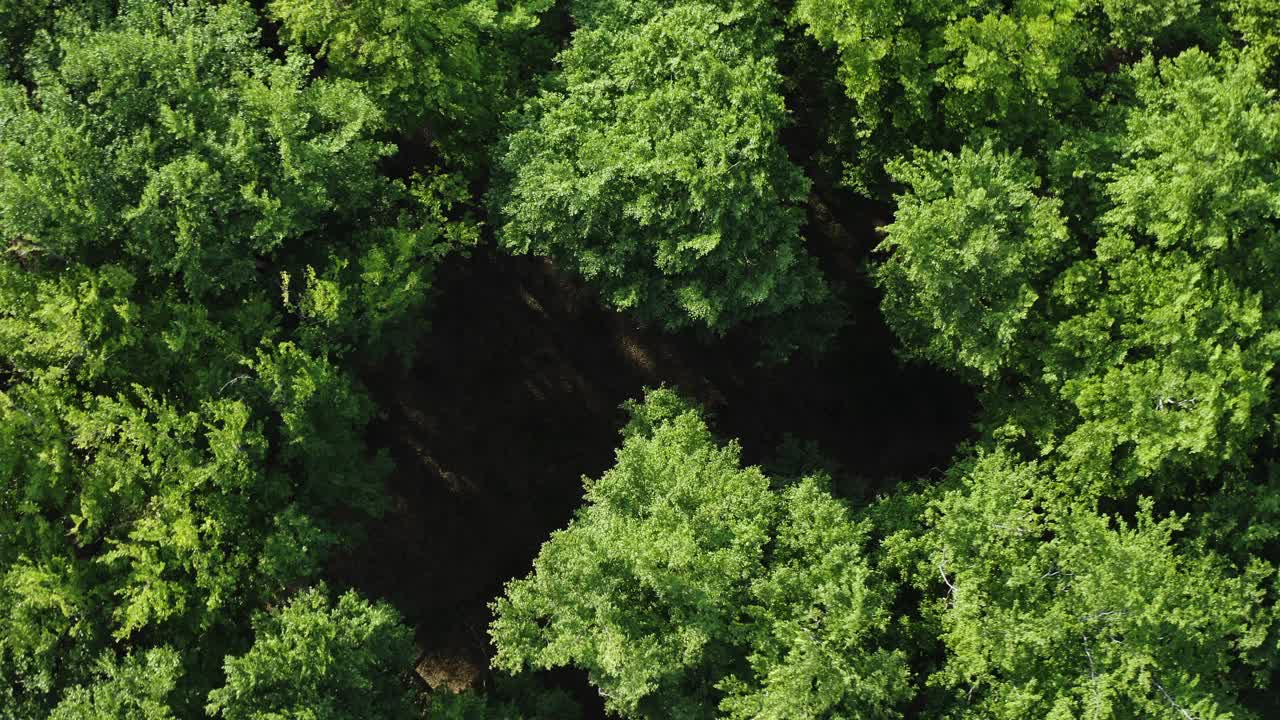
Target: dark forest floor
<point x="515" y="395"/>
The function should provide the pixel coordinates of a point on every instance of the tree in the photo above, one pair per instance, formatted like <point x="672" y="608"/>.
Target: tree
<point x="663" y="589"/>
<point x="652" y="167"/>
<point x="936" y="75"/>
<point x="196" y="237"/>
<point x="1142" y="26"/>
<point x="220" y="219"/>
<point x="1167" y="342"/>
<point x="939" y="75"/>
<point x="821" y="620"/>
<point x="1136" y="346"/>
<point x="125" y="517"/>
<point x="320" y="660"/>
<point x="971" y="242"/>
<point x="1060" y="567"/>
<point x="23" y="21"/>
<point x="133" y="688"/>
<point x="1178" y="390"/>
<point x="448" y="63"/>
<point x="1255" y="21"/>
<point x="1049" y="608"/>
<point x="217" y="156"/>
<point x="208" y="199"/>
<point x="1197" y="171"/>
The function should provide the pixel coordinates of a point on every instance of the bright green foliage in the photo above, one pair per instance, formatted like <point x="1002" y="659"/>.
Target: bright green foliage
<point x="418" y="53"/>
<point x="1050" y="609"/>
<point x="662" y="588"/>
<point x="939" y="75"/>
<point x="201" y="176"/>
<point x="195" y="237"/>
<point x="209" y="243"/>
<point x="316" y="660"/>
<point x="969" y="246"/>
<point x="1171" y="338"/>
<point x="817" y="617"/>
<point x="653" y="169"/>
<point x="753" y="22"/>
<point x="130" y="689"/>
<point x="1258" y="23"/>
<point x="443" y="62"/>
<point x="210" y="157"/>
<point x="1167" y="370"/>
<point x="1150" y="355"/>
<point x="1199" y="171"/>
<point x="643" y="588"/>
<point x="77" y="320"/>
<point x="1125" y="337"/>
<point x="191" y="535"/>
<point x="1017" y="66"/>
<point x="924" y="73"/>
<point x="319" y="416"/>
<point x="171" y="524"/>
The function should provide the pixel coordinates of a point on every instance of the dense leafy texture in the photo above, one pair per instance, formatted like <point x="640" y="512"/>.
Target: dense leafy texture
<point x="220" y="221"/>
<point x="321" y="660"/>
<point x="652" y="167"/>
<point x="969" y="245"/>
<point x="179" y="426"/>
<point x="448" y="65"/>
<point x="663" y="590"/>
<point x="1051" y="609"/>
<point x="1159" y="338"/>
<point x="132" y="688"/>
<point x="939" y="74"/>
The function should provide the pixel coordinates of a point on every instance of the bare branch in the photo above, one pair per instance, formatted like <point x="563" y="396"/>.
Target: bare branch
<point x="232" y="381"/>
<point x="1100" y="615"/>
<point x="1175" y="705"/>
<point x="1093" y="674"/>
<point x="942" y="570"/>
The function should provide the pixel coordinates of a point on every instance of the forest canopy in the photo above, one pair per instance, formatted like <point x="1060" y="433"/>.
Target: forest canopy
<point x="243" y="244"/>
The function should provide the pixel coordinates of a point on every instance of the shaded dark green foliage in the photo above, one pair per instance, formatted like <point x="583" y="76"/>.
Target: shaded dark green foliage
<point x="445" y="68"/>
<point x="510" y="698"/>
<point x="197" y="238"/>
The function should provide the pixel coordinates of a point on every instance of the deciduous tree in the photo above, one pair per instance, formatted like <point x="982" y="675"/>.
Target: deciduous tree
<point x="687" y="584"/>
<point x="652" y="167"/>
<point x="322" y="660"/>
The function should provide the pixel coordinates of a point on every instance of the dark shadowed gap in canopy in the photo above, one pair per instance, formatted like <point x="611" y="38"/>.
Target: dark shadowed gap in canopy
<point x="515" y="393"/>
